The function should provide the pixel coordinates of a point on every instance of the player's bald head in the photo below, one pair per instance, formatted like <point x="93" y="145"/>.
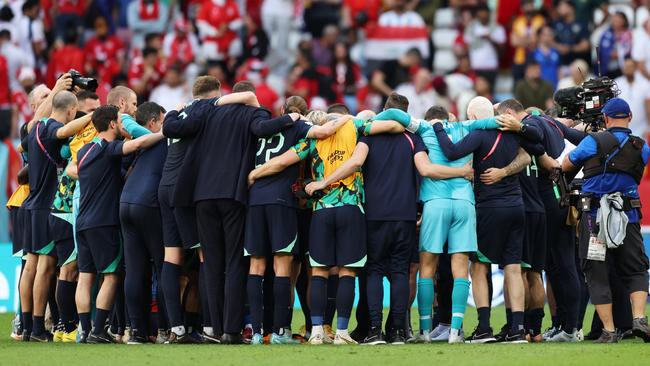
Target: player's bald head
<point x="480" y="108"/>
<point x="366" y="115"/>
<point x="63" y="101"/>
<point x="117" y="93"/>
<point x="37" y="96"/>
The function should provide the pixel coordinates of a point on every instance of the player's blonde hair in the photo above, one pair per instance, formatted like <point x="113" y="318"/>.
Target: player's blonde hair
<point x="317" y="117"/>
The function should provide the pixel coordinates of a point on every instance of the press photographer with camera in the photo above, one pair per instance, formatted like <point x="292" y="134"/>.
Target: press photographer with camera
<point x="613" y="161"/>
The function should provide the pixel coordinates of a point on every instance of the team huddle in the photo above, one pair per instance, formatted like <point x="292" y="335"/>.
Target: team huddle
<point x="198" y="225"/>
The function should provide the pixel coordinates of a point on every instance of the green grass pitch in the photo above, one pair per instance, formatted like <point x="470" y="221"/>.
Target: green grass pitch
<point x="629" y="352"/>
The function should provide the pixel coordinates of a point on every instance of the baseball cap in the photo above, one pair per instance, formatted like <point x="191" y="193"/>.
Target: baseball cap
<point x="617" y="108"/>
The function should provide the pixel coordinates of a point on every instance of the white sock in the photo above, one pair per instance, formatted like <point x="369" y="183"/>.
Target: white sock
<point x="179" y="330"/>
<point x="317" y="329"/>
<point x="342" y="332"/>
<point x="208" y="331"/>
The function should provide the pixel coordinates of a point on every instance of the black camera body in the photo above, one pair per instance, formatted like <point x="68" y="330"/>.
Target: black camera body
<point x="585" y="102"/>
<point x="82" y="82"/>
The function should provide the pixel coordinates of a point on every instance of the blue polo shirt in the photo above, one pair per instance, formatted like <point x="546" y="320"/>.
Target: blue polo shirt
<point x="608" y="182"/>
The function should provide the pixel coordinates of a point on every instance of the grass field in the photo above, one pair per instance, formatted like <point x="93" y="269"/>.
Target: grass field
<point x="57" y="354"/>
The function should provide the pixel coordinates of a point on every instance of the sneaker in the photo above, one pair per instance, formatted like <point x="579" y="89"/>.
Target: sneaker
<point x="137" y="338"/>
<point x="341" y="339"/>
<point x="257" y="339"/>
<point x="550" y="332"/>
<point x="247" y="334"/>
<point x="641" y="329"/>
<point x="564" y="337"/>
<point x="16" y="329"/>
<point x="359" y="334"/>
<point x="397" y="337"/>
<point x="232" y="338"/>
<point x="501" y="336"/>
<point x="456" y="336"/>
<point x="100" y="338"/>
<point x="82" y="337"/>
<point x="515" y="337"/>
<point x="316" y="339"/>
<point x="187" y="338"/>
<point x="481" y="336"/>
<point x="423" y="337"/>
<point x="57" y="336"/>
<point x="440" y="333"/>
<point x="210" y="338"/>
<point x="43" y="337"/>
<point x="534" y="338"/>
<point x="374" y="337"/>
<point x="284" y="338"/>
<point x="580" y="335"/>
<point x="409" y="335"/>
<point x="327" y="329"/>
<point x="117" y="337"/>
<point x="624" y="334"/>
<point x="70" y="337"/>
<point x="162" y="337"/>
<point x="607" y="337"/>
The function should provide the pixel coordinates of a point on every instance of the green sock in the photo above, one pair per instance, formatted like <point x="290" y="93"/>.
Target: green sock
<point x="425" y="302"/>
<point x="459" y="302"/>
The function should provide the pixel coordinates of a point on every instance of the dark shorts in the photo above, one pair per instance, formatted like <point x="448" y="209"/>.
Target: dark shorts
<point x="99" y="250"/>
<point x="500" y="232"/>
<point x="270" y="229"/>
<point x="304" y="222"/>
<point x="62" y="235"/>
<point x="337" y="237"/>
<point x="179" y="223"/>
<point x="390" y="246"/>
<point x="17" y="217"/>
<point x="40" y="237"/>
<point x="534" y="253"/>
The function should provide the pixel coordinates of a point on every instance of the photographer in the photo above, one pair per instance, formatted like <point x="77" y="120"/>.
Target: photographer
<point x="610" y="234"/>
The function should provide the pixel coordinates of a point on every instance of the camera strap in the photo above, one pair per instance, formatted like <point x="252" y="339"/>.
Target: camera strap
<point x="40" y="143"/>
<point x="552" y="122"/>
<point x="494" y="147"/>
<point x="410" y="140"/>
<point x="83" y="158"/>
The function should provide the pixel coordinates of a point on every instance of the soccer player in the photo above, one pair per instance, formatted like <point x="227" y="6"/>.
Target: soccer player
<point x="500" y="221"/>
<point x="271" y="222"/>
<point x="43" y="145"/>
<point x="337" y="233"/>
<point x="98" y="233"/>
<point x="220" y="208"/>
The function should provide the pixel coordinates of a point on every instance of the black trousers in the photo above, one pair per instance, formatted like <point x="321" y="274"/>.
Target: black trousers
<point x="143" y="244"/>
<point x="221" y="231"/>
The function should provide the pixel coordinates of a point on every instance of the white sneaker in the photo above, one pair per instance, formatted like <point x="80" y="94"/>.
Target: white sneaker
<point x="340" y="339"/>
<point x="440" y="333"/>
<point x="580" y="335"/>
<point x="423" y="337"/>
<point x="456" y="336"/>
<point x="549" y="333"/>
<point x="564" y="337"/>
<point x="316" y="339"/>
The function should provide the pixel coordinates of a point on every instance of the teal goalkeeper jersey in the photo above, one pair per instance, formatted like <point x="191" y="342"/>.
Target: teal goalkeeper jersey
<point x="454" y="188"/>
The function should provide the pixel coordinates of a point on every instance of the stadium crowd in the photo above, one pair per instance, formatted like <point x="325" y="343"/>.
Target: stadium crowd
<point x="144" y="213"/>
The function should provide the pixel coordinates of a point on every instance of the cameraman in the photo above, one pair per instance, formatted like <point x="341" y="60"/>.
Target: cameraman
<point x="613" y="162"/>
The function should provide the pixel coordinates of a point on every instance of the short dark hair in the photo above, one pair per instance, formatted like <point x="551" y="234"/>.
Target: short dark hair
<point x="148" y="111"/>
<point x="147" y="51"/>
<point x="6" y="14"/>
<point x="150" y="36"/>
<point x="86" y="94"/>
<point x="414" y="52"/>
<point x="436" y="112"/>
<point x="339" y="108"/>
<point x="513" y="104"/>
<point x="30" y="4"/>
<point x="103" y="116"/>
<point x="397" y="101"/>
<point x="204" y="85"/>
<point x="5" y="34"/>
<point x="243" y="86"/>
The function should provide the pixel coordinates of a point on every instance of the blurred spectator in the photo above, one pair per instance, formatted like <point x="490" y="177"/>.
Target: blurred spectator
<point x="532" y="91"/>
<point x="636" y="91"/>
<point x="400" y="16"/>
<point x="427" y="9"/>
<point x="485" y="40"/>
<point x="419" y="92"/>
<point x="218" y="21"/>
<point x="523" y="36"/>
<point x="393" y="73"/>
<point x="8" y="19"/>
<point x="219" y="71"/>
<point x="547" y="56"/>
<point x="578" y="73"/>
<point x="31" y="35"/>
<point x="360" y="13"/>
<point x="615" y="45"/>
<point x="256" y="73"/>
<point x="5" y="100"/>
<point x="23" y="112"/>
<point x="278" y="21"/>
<point x="173" y="90"/>
<point x="571" y="35"/>
<point x="585" y="9"/>
<point x="465" y="67"/>
<point x="483" y="88"/>
<point x="255" y="41"/>
<point x="181" y="47"/>
<point x="303" y="78"/>
<point x="146" y="16"/>
<point x="319" y="14"/>
<point x="15" y="56"/>
<point x="640" y="49"/>
<point x="104" y="53"/>
<point x="146" y="72"/>
<point x="67" y="14"/>
<point x="322" y="49"/>
<point x="347" y="77"/>
<point x="69" y="56"/>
